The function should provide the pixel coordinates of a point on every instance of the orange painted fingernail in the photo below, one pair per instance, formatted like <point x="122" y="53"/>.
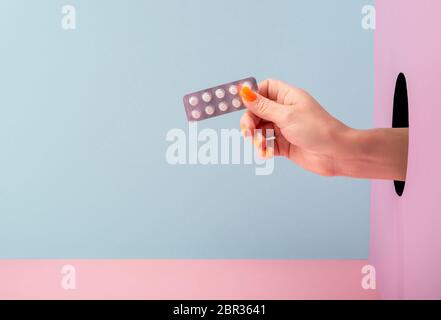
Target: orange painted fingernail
<point x="247" y="94"/>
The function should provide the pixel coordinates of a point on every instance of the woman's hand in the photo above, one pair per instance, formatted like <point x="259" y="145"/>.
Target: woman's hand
<point x="309" y="136"/>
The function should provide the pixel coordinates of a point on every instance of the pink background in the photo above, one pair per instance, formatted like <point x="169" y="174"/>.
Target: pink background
<point x="405" y="232"/>
<point x="185" y="279"/>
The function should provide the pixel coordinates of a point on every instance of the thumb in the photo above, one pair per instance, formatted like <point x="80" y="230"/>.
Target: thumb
<point x="262" y="107"/>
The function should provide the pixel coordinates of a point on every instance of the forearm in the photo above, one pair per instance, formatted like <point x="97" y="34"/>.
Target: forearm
<point x="373" y="154"/>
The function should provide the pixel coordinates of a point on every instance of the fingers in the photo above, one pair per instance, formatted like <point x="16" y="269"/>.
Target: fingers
<point x="248" y="123"/>
<point x="278" y="91"/>
<point x="269" y="108"/>
<point x="265" y="140"/>
<point x="263" y="107"/>
<point x="262" y="134"/>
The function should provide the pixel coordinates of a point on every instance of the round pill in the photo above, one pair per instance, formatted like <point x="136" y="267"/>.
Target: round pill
<point x="209" y="110"/>
<point x="206" y="97"/>
<point x="247" y="84"/>
<point x="223" y="106"/>
<point x="193" y="101"/>
<point x="220" y="93"/>
<point x="196" y="114"/>
<point x="236" y="103"/>
<point x="233" y="90"/>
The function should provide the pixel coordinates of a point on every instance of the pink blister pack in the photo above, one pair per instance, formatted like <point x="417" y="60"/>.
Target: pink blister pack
<point x="217" y="101"/>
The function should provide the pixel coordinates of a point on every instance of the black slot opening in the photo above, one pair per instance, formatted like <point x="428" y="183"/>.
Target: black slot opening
<point x="400" y="116"/>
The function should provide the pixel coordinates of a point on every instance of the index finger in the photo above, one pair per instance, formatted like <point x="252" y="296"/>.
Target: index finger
<point x="277" y="90"/>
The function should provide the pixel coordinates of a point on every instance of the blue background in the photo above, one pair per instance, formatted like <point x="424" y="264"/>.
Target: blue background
<point x="84" y="115"/>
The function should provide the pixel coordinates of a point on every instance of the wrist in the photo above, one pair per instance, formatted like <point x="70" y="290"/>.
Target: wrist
<point x="348" y="151"/>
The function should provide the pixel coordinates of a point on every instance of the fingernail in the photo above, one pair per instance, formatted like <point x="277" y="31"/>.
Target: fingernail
<point x="247" y="94"/>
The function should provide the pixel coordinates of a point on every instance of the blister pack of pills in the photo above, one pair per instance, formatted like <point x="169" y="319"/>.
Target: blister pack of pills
<point x="217" y="101"/>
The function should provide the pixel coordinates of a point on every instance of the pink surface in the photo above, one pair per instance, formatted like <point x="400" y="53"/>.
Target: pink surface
<point x="185" y="279"/>
<point x="406" y="232"/>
